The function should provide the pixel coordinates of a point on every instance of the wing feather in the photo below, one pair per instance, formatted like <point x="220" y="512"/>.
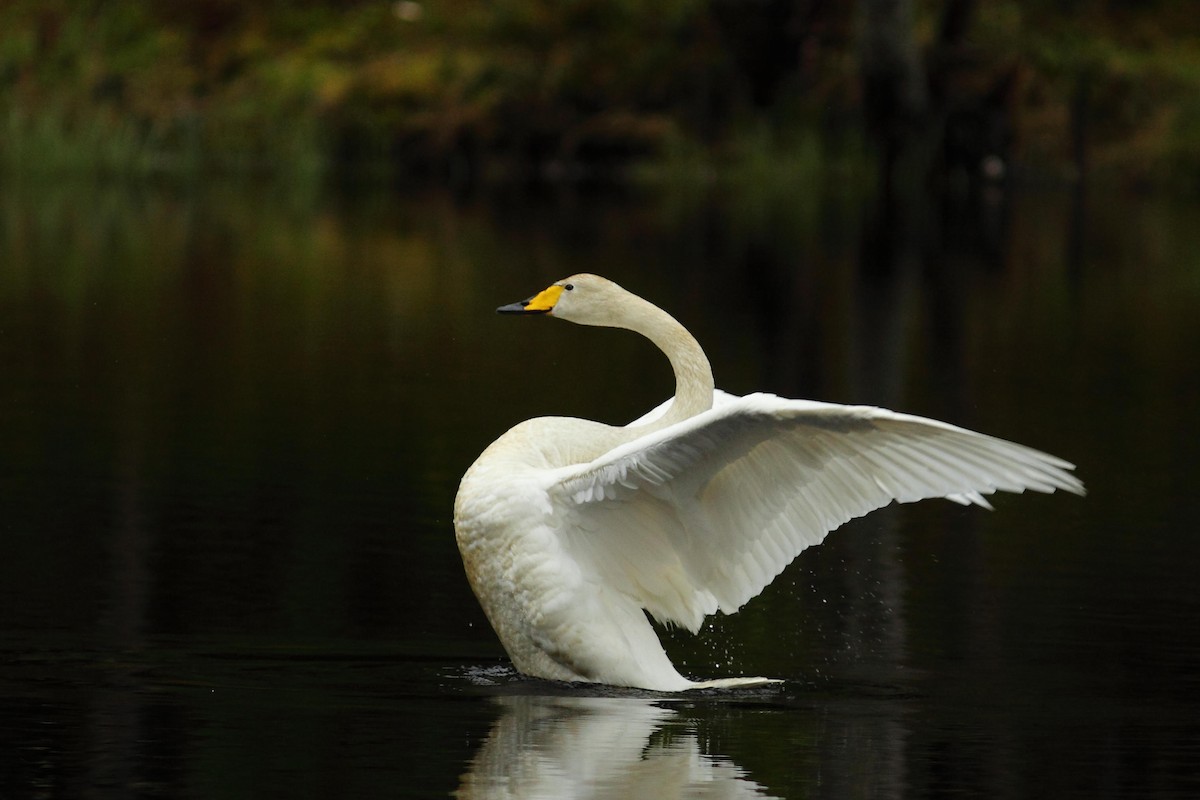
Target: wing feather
<point x="700" y="516"/>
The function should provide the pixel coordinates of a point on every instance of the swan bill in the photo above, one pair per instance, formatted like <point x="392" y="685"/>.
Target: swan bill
<point x="541" y="303"/>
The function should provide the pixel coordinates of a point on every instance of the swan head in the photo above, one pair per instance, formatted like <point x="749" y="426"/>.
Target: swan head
<point x="584" y="299"/>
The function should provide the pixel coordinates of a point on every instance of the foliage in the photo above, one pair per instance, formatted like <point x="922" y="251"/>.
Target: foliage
<point x="1121" y="75"/>
<point x="547" y="87"/>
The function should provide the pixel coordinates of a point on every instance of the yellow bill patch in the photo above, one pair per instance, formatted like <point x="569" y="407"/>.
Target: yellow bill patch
<point x="545" y="299"/>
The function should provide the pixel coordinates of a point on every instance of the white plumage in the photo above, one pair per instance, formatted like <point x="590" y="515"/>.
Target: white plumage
<point x="569" y="528"/>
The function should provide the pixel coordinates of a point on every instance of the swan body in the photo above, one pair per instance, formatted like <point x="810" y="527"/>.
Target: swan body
<point x="570" y="530"/>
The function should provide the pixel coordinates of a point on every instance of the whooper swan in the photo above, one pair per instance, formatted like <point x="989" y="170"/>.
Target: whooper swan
<point x="569" y="528"/>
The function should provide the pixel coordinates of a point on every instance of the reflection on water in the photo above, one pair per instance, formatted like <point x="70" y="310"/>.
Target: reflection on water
<point x="232" y="424"/>
<point x="601" y="747"/>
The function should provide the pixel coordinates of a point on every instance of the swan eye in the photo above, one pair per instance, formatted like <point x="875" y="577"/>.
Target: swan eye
<point x="570" y="287"/>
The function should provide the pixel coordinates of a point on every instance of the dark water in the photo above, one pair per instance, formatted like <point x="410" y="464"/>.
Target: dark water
<point x="232" y="423"/>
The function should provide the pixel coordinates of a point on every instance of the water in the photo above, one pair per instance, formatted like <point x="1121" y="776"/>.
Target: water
<point x="233" y="422"/>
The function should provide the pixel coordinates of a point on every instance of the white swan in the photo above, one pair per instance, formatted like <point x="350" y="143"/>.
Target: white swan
<point x="569" y="528"/>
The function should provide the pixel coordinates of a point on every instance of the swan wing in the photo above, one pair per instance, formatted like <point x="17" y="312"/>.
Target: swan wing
<point x="702" y="515"/>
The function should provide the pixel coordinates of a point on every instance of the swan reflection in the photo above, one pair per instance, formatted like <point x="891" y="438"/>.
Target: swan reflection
<point x="597" y="747"/>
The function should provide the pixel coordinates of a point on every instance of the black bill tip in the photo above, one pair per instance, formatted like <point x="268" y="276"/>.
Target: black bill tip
<point x="519" y="308"/>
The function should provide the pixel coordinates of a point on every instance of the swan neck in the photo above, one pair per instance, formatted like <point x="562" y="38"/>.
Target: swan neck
<point x="693" y="374"/>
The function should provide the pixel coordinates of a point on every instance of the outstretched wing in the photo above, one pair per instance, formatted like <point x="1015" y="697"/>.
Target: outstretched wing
<point x="700" y="516"/>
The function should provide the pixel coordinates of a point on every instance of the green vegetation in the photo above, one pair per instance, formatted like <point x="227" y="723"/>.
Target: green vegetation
<point x="544" y="88"/>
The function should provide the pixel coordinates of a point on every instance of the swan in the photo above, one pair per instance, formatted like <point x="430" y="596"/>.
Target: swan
<point x="571" y="530"/>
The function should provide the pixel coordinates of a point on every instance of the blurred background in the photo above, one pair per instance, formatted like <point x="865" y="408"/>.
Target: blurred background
<point x="464" y="91"/>
<point x="249" y="260"/>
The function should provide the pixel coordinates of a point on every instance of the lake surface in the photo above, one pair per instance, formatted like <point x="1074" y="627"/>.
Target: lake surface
<point x="232" y="423"/>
